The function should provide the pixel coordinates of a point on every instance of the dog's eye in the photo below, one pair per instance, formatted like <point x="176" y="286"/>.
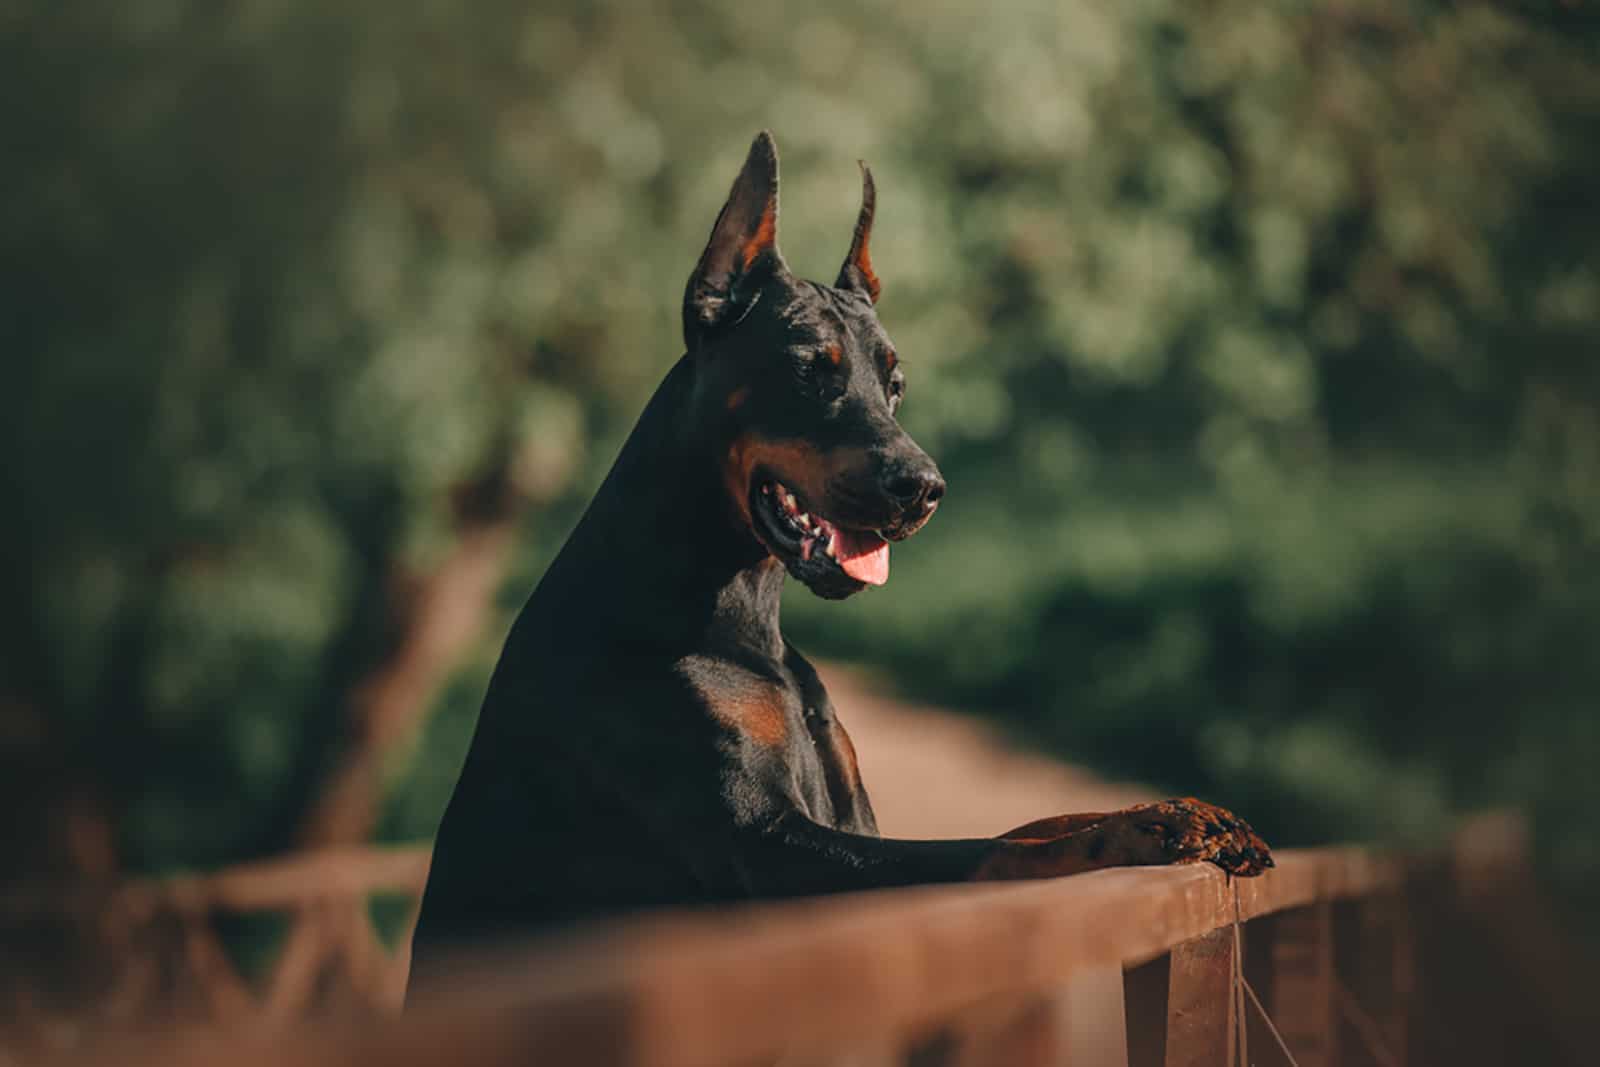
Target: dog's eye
<point x="897" y="389"/>
<point x="811" y="360"/>
<point x="817" y="370"/>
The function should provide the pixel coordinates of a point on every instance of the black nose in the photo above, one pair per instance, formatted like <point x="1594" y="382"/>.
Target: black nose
<point x="918" y="488"/>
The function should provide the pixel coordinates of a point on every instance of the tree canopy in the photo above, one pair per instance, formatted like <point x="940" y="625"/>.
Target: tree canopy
<point x="1256" y="341"/>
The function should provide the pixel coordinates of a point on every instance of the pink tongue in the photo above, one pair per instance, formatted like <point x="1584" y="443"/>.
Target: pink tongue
<point x="863" y="555"/>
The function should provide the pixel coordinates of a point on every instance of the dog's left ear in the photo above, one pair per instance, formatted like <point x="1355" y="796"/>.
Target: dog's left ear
<point x="857" y="270"/>
<point x="743" y="250"/>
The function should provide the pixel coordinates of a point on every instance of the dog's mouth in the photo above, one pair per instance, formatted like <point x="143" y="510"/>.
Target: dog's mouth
<point x="832" y="559"/>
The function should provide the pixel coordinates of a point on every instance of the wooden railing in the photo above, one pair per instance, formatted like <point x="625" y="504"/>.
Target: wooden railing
<point x="1339" y="956"/>
<point x="152" y="952"/>
<point x="1122" y="966"/>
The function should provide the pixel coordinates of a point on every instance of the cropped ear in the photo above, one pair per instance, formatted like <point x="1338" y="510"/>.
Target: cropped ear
<point x="743" y="249"/>
<point x="857" y="270"/>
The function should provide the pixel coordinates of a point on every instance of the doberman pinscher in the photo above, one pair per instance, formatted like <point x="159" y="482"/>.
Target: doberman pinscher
<point x="649" y="738"/>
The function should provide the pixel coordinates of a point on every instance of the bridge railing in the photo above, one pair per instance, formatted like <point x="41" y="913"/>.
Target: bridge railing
<point x="1120" y="966"/>
<point x="164" y="952"/>
<point x="1339" y="956"/>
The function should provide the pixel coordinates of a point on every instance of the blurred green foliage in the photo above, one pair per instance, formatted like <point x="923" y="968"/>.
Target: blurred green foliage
<point x="1257" y="341"/>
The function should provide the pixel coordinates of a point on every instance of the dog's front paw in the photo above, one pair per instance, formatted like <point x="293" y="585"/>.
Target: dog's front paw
<point x="1150" y="835"/>
<point x="1184" y="830"/>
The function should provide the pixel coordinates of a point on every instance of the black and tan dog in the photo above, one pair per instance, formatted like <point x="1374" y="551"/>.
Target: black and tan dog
<point x="649" y="738"/>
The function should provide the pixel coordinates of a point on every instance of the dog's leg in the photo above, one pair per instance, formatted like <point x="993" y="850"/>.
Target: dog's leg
<point x="1185" y="830"/>
<point x="798" y="855"/>
<point x="1055" y="826"/>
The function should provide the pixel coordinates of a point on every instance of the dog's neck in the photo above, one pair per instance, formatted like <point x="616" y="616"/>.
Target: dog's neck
<point x="662" y="528"/>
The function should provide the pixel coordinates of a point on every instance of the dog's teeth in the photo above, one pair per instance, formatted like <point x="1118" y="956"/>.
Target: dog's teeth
<point x="805" y="548"/>
<point x="827" y="546"/>
<point x="803" y="519"/>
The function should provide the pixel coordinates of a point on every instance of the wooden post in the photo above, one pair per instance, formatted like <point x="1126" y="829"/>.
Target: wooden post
<point x="294" y="975"/>
<point x="1405" y="977"/>
<point x="1391" y="966"/>
<point x="1303" y="989"/>
<point x="1372" y="960"/>
<point x="1200" y="1002"/>
<point x="1145" y="992"/>
<point x="1260" y="941"/>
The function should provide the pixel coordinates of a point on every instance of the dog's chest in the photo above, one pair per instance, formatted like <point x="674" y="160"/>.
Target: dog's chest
<point x="784" y="746"/>
<point x="827" y="770"/>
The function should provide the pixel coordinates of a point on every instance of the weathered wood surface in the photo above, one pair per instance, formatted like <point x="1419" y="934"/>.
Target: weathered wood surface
<point x="1133" y="966"/>
<point x="265" y="885"/>
<point x="148" y="952"/>
<point x="739" y="986"/>
<point x="1201" y="1009"/>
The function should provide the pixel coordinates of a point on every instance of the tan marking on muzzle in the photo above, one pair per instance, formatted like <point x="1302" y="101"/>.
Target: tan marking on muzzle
<point x="800" y="466"/>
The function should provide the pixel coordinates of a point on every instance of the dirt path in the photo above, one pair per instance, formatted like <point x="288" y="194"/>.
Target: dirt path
<point x="933" y="773"/>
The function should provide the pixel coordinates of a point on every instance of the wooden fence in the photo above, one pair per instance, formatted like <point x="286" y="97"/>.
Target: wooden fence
<point x="1339" y="956"/>
<point x="149" y="953"/>
<point x="1125" y="966"/>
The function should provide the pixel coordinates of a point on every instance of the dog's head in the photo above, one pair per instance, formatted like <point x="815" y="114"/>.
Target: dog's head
<point x="803" y="384"/>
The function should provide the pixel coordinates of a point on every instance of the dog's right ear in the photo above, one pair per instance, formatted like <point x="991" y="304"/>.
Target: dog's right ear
<point x="743" y="250"/>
